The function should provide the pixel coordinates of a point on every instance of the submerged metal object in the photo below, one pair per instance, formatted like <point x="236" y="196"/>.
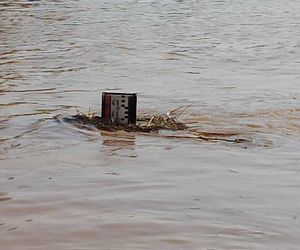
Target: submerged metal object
<point x="119" y="108"/>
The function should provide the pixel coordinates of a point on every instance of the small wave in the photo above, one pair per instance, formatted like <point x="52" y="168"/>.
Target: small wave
<point x="4" y="197"/>
<point x="46" y="90"/>
<point x="10" y="104"/>
<point x="269" y="113"/>
<point x="30" y="90"/>
<point x="18" y="135"/>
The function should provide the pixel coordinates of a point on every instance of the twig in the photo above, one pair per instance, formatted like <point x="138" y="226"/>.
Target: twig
<point x="149" y="123"/>
<point x="187" y="107"/>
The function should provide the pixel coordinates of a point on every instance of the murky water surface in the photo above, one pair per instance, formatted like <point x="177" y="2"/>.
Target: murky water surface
<point x="64" y="187"/>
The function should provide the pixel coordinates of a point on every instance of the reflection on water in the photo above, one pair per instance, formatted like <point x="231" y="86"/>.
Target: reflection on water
<point x="120" y="144"/>
<point x="69" y="187"/>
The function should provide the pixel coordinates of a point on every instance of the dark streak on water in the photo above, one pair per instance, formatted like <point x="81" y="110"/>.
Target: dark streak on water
<point x="68" y="187"/>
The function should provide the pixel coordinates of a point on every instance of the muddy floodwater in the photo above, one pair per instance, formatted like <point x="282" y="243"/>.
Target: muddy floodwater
<point x="73" y="187"/>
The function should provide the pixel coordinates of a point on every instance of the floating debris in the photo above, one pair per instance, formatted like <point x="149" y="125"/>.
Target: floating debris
<point x="152" y="124"/>
<point x="144" y="123"/>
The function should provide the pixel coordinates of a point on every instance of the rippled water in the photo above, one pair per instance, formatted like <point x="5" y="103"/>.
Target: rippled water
<point x="64" y="187"/>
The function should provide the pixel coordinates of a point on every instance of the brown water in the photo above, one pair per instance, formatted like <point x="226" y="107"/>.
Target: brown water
<point x="64" y="187"/>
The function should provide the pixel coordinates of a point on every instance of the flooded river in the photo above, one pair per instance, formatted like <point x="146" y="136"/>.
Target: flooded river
<point x="65" y="187"/>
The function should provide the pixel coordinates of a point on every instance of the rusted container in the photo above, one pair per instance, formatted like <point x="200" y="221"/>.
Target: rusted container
<point x="119" y="108"/>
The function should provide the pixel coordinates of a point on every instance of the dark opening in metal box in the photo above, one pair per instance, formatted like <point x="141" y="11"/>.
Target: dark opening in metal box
<point x="119" y="108"/>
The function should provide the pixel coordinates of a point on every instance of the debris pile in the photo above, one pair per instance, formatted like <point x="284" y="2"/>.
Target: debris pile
<point x="152" y="124"/>
<point x="146" y="123"/>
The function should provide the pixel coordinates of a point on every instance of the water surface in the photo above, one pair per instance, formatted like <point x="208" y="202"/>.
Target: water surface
<point x="64" y="187"/>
